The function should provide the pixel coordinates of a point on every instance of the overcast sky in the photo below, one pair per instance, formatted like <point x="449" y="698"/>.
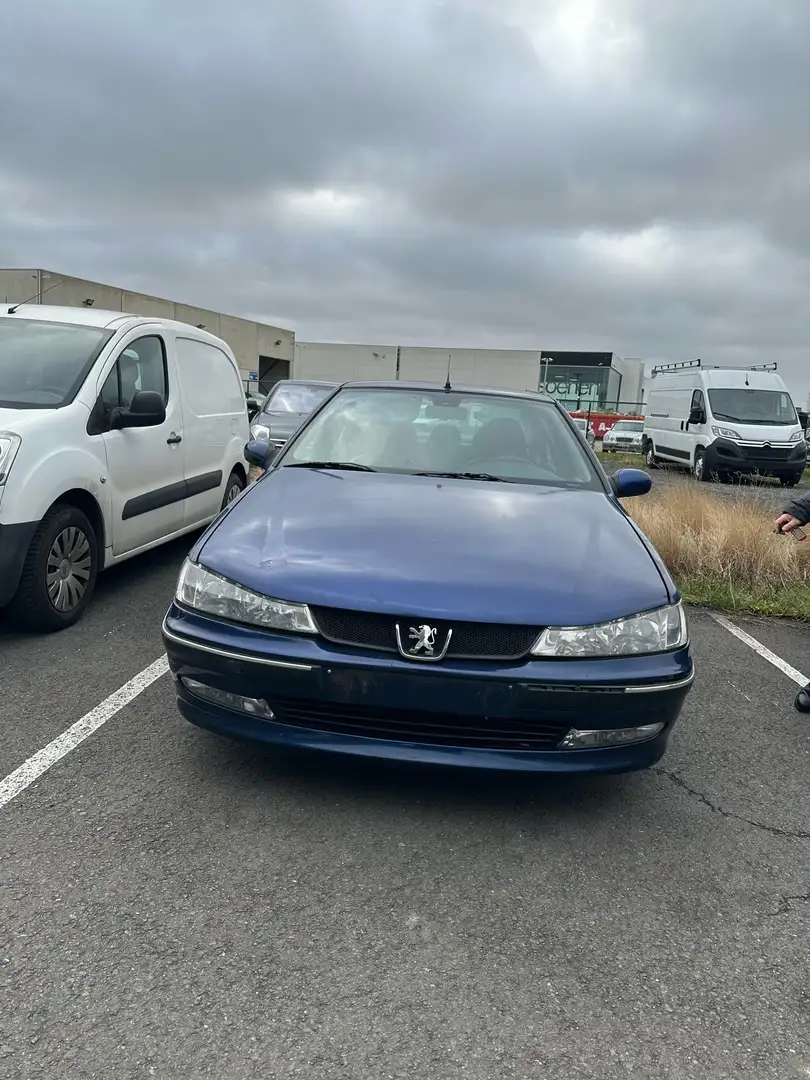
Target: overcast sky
<point x="627" y="175"/>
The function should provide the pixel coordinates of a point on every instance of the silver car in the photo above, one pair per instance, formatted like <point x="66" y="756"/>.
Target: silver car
<point x="286" y="407"/>
<point x="623" y="437"/>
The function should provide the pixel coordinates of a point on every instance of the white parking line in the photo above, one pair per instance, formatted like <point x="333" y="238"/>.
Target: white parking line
<point x="42" y="760"/>
<point x="761" y="649"/>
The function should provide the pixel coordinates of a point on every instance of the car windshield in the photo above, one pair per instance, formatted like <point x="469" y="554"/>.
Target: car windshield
<point x="296" y="397"/>
<point x="43" y="364"/>
<point x="475" y="436"/>
<point x="629" y="425"/>
<point x="753" y="406"/>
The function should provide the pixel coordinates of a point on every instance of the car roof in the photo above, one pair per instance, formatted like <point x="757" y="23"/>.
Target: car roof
<point x="433" y="388"/>
<point x="304" y="382"/>
<point x="96" y="318"/>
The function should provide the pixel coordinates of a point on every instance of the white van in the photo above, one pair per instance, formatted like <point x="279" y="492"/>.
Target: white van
<point x="723" y="421"/>
<point x="117" y="433"/>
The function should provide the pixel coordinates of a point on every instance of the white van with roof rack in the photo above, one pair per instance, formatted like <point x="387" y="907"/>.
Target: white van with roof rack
<point x="117" y="433"/>
<point x="720" y="422"/>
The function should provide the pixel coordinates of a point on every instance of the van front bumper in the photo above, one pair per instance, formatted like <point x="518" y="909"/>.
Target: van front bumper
<point x="15" y="541"/>
<point x="775" y="460"/>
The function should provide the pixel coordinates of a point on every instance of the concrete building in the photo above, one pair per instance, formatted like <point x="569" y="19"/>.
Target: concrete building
<point x="264" y="353"/>
<point x="576" y="379"/>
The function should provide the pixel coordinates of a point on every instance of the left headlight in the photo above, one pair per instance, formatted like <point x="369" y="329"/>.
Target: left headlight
<point x="651" y="632"/>
<point x="9" y="445"/>
<point x="210" y="594"/>
<point x="797" y="436"/>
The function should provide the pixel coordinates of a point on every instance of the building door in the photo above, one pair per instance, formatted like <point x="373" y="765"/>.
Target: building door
<point x="271" y="371"/>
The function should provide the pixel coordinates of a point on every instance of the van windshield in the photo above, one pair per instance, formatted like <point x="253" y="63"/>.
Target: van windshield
<point x="742" y="406"/>
<point x="43" y="364"/>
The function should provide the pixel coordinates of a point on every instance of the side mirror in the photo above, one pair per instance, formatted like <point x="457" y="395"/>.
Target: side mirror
<point x="146" y="410"/>
<point x="697" y="416"/>
<point x="630" y="483"/>
<point x="259" y="452"/>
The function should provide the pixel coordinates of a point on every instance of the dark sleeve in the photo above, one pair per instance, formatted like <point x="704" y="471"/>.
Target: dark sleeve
<point x="799" y="507"/>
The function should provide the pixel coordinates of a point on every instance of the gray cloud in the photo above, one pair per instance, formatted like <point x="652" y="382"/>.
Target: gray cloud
<point x="639" y="183"/>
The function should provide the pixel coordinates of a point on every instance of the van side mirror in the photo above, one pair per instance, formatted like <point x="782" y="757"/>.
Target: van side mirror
<point x="260" y="452"/>
<point x="697" y="416"/>
<point x="147" y="409"/>
<point x="630" y="483"/>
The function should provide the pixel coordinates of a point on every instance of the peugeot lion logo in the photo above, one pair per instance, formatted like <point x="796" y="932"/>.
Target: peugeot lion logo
<point x="421" y="642"/>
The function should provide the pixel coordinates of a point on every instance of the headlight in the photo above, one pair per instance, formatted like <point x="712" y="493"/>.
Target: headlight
<point x="9" y="445"/>
<point x="651" y="632"/>
<point x="796" y="436"/>
<point x="725" y="433"/>
<point x="211" y="594"/>
<point x="259" y="431"/>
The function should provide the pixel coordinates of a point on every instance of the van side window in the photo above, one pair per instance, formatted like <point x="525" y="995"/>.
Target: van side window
<point x="697" y="401"/>
<point x="141" y="366"/>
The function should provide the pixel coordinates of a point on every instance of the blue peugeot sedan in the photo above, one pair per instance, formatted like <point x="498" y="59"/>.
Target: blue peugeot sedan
<point x="434" y="575"/>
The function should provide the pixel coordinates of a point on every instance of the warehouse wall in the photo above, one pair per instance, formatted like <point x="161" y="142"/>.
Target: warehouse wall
<point x="249" y="340"/>
<point x="518" y="370"/>
<point x="344" y="363"/>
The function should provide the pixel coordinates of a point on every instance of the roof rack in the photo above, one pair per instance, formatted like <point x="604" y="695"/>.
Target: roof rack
<point x="687" y="364"/>
<point x="661" y="368"/>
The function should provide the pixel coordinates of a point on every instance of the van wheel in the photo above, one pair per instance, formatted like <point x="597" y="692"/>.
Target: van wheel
<point x="59" y="573"/>
<point x="233" y="489"/>
<point x="790" y="481"/>
<point x="699" y="468"/>
<point x="650" y="458"/>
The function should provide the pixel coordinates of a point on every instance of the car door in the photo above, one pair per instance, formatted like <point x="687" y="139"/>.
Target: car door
<point x="698" y="433"/>
<point x="144" y="465"/>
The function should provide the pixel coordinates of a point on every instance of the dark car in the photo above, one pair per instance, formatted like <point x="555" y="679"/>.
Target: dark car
<point x="286" y="407"/>
<point x="438" y="576"/>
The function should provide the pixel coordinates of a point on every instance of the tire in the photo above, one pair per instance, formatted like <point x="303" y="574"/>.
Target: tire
<point x="650" y="459"/>
<point x="790" y="481"/>
<point x="233" y="489"/>
<point x="46" y="608"/>
<point x="699" y="470"/>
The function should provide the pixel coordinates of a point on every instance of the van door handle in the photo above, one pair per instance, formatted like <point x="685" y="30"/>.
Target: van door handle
<point x="174" y="439"/>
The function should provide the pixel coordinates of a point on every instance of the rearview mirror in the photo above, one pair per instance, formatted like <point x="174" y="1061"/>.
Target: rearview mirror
<point x="630" y="483"/>
<point x="260" y="453"/>
<point x="147" y="409"/>
<point x="697" y="416"/>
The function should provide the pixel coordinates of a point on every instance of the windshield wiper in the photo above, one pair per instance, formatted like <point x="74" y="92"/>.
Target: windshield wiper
<point x="329" y="465"/>
<point x="468" y="476"/>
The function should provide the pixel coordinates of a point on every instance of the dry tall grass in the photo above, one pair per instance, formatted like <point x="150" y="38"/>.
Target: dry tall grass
<point x="722" y="551"/>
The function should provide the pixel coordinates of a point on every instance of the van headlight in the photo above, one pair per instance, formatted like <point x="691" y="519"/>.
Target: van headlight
<point x="651" y="632"/>
<point x="796" y="436"/>
<point x="9" y="445"/>
<point x="206" y="592"/>
<point x="725" y="433"/>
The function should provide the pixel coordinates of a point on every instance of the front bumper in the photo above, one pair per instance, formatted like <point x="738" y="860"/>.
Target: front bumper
<point x="476" y="715"/>
<point x="15" y="541"/>
<point x="723" y="455"/>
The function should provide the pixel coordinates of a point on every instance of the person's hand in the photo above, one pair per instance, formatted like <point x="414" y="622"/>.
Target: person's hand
<point x="786" y="523"/>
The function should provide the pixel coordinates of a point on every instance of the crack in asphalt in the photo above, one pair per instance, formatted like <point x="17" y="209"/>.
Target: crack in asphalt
<point x="773" y="830"/>
<point x="786" y="903"/>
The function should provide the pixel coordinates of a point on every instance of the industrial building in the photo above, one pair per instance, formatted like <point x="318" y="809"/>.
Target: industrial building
<point x="578" y="380"/>
<point x="264" y="353"/>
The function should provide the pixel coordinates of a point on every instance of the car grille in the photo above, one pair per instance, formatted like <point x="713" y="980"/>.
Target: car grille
<point x="478" y="641"/>
<point x="427" y="728"/>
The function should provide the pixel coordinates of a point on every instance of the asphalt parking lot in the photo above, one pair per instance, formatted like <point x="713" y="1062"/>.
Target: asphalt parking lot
<point x="174" y="905"/>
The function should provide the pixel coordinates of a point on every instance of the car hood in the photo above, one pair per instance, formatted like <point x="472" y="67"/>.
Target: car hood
<point x="444" y="549"/>
<point x="282" y="424"/>
<point x="18" y="419"/>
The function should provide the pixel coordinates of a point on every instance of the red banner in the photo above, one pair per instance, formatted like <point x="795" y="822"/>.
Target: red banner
<point x="602" y="422"/>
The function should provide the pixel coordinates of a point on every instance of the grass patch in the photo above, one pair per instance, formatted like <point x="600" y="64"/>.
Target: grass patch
<point x="722" y="553"/>
<point x="635" y="461"/>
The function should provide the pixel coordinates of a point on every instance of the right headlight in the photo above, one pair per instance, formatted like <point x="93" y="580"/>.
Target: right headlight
<point x="9" y="445"/>
<point x="260" y="431"/>
<point x="207" y="592"/>
<point x="650" y="632"/>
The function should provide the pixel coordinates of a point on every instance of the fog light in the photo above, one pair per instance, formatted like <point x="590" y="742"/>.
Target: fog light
<point x="586" y="740"/>
<point x="236" y="702"/>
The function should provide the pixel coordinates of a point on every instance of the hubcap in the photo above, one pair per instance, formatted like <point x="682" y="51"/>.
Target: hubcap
<point x="699" y="467"/>
<point x="233" y="491"/>
<point x="68" y="571"/>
